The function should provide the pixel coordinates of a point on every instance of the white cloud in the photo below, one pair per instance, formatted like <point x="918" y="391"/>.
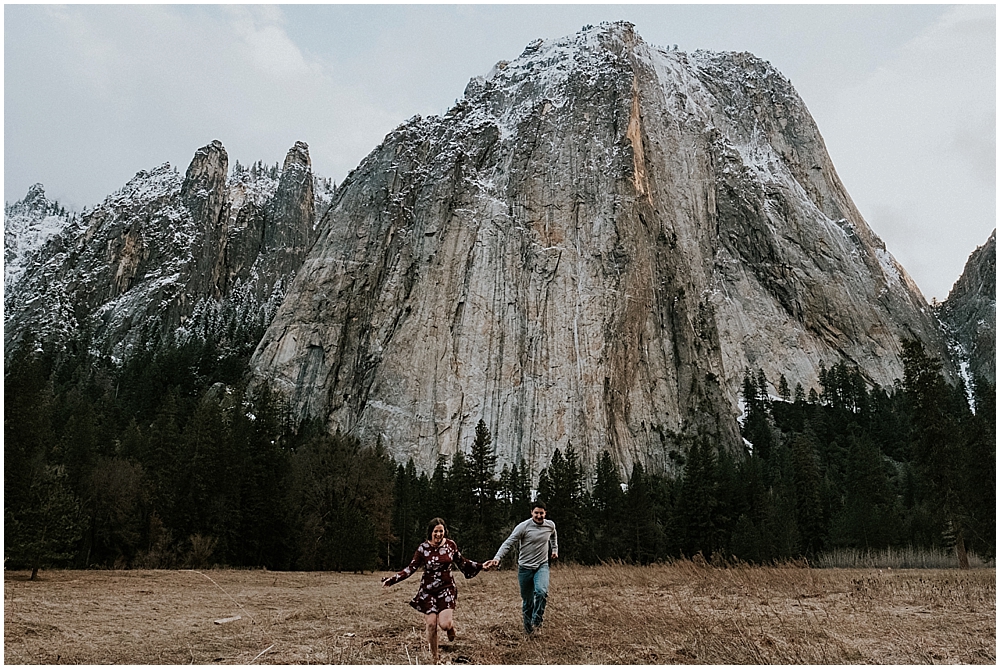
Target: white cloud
<point x="927" y="120"/>
<point x="106" y="91"/>
<point x="261" y="39"/>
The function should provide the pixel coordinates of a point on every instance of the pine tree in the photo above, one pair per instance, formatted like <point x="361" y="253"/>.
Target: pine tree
<point x="27" y="421"/>
<point x="439" y="500"/>
<point x="751" y="507"/>
<point x="260" y="429"/>
<point x="757" y="425"/>
<point x="979" y="469"/>
<point x="339" y="496"/>
<point x="516" y="490"/>
<point x="640" y="530"/>
<point x="780" y="528"/>
<point x="407" y="520"/>
<point x="868" y="518"/>
<point x="935" y="448"/>
<point x="482" y="464"/>
<point x="608" y="512"/>
<point x="762" y="392"/>
<point x="116" y="495"/>
<point x="698" y="502"/>
<point x="45" y="529"/>
<point x="808" y="495"/>
<point x="824" y="384"/>
<point x="461" y="496"/>
<point x="783" y="390"/>
<point x="561" y="487"/>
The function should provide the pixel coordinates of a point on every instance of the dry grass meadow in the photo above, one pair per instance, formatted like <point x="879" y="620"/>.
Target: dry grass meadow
<point x="665" y="614"/>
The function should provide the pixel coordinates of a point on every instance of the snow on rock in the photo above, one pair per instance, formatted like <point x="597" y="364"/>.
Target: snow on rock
<point x="28" y="226"/>
<point x="208" y="254"/>
<point x="590" y="247"/>
<point x="889" y="266"/>
<point x="969" y="315"/>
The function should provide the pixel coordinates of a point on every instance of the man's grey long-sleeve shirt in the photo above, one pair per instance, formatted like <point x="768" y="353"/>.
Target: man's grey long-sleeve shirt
<point x="535" y="543"/>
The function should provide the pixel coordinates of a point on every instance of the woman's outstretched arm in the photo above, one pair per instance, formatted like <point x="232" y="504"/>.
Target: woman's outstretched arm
<point x="469" y="568"/>
<point x="415" y="564"/>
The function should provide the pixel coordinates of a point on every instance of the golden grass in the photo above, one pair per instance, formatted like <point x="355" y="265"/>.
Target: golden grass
<point x="612" y="614"/>
<point x="896" y="558"/>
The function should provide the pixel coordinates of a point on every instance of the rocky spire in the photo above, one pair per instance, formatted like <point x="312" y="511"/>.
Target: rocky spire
<point x="204" y="187"/>
<point x="291" y="216"/>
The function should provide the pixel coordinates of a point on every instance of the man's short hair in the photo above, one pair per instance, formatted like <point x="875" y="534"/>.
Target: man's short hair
<point x="538" y="504"/>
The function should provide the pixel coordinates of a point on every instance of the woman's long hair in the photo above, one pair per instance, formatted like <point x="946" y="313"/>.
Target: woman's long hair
<point x="434" y="523"/>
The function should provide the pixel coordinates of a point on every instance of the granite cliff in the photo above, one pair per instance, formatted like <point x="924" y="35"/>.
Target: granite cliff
<point x="590" y="248"/>
<point x="969" y="314"/>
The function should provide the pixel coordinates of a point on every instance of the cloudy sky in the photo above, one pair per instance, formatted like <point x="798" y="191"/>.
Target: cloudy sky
<point x="904" y="95"/>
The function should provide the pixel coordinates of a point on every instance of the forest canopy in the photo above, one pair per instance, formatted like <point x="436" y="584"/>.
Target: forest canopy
<point x="170" y="460"/>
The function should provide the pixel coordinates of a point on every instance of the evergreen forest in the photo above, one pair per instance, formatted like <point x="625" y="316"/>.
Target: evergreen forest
<point x="169" y="460"/>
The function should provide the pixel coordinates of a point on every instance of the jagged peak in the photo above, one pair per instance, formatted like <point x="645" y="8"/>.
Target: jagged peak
<point x="146" y="185"/>
<point x="979" y="268"/>
<point x="743" y="64"/>
<point x="34" y="201"/>
<point x="297" y="158"/>
<point x="555" y="55"/>
<point x="35" y="192"/>
<point x="209" y="161"/>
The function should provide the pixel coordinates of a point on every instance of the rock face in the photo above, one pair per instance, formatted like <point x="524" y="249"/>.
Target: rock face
<point x="590" y="248"/>
<point x="970" y="313"/>
<point x="164" y="256"/>
<point x="29" y="225"/>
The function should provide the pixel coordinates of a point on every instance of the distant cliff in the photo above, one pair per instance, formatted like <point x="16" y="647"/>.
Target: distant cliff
<point x="590" y="248"/>
<point x="970" y="312"/>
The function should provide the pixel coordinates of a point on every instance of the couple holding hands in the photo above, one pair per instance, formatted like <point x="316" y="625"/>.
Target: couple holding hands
<point x="438" y="594"/>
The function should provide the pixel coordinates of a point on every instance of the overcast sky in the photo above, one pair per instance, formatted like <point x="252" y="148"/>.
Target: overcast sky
<point x="904" y="95"/>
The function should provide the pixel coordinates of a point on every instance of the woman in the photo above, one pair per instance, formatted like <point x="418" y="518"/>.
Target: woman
<point x="438" y="594"/>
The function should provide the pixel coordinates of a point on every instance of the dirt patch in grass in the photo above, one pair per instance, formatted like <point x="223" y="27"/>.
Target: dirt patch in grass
<point x="612" y="614"/>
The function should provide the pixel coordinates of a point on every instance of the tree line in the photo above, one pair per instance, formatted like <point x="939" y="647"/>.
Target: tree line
<point x="170" y="460"/>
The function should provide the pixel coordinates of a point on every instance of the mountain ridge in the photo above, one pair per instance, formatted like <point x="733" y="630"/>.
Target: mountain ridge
<point x="136" y="268"/>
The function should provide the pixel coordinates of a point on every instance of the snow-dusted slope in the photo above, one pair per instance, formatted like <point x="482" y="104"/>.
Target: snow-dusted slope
<point x="29" y="225"/>
<point x="204" y="254"/>
<point x="588" y="249"/>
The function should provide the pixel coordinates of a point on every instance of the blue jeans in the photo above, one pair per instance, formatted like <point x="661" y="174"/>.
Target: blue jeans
<point x="534" y="593"/>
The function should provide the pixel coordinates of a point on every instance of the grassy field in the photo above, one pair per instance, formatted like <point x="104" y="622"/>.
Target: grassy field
<point x="668" y="614"/>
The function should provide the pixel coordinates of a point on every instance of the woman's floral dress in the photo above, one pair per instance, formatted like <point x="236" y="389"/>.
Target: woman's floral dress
<point x="437" y="588"/>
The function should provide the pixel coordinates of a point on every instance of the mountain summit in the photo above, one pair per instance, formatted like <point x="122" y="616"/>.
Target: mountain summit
<point x="589" y="249"/>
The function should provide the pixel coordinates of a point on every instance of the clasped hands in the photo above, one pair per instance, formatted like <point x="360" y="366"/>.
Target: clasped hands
<point x="490" y="565"/>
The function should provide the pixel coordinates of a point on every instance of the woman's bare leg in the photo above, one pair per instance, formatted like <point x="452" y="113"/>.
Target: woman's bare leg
<point x="431" y="622"/>
<point x="447" y="623"/>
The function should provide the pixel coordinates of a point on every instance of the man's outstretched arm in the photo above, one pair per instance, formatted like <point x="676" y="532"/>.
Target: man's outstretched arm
<point x="505" y="547"/>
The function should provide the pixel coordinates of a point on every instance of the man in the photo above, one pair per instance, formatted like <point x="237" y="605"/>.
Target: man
<point x="536" y="541"/>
